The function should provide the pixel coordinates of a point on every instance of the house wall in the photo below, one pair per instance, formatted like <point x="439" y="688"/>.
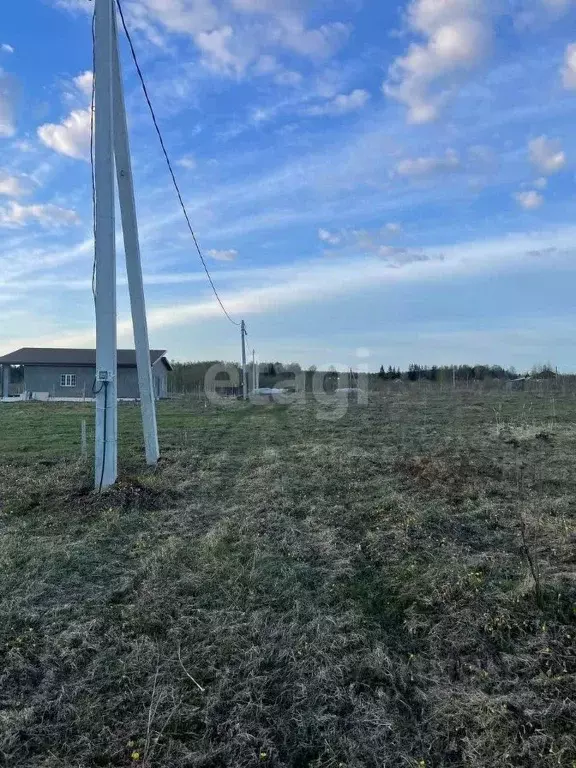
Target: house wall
<point x="128" y="381"/>
<point x="160" y="379"/>
<point x="46" y="378"/>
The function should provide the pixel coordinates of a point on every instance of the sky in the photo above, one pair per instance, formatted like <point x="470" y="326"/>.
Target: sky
<point x="372" y="182"/>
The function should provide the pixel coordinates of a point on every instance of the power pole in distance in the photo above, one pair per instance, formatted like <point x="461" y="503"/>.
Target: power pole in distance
<point x="244" y="378"/>
<point x="254" y="372"/>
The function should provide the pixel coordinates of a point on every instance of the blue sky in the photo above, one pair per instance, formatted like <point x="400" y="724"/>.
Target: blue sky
<point x="371" y="182"/>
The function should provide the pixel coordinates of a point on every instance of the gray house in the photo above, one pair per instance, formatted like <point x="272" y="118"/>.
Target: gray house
<point x="72" y="372"/>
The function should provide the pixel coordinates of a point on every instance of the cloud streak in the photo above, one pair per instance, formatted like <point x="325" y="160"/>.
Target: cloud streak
<point x="420" y="167"/>
<point x="46" y="215"/>
<point x="314" y="282"/>
<point x="8" y="94"/>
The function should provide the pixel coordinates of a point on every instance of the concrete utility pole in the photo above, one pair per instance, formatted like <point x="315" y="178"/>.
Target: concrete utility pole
<point x="133" y="262"/>
<point x="254" y="372"/>
<point x="105" y="386"/>
<point x="112" y="147"/>
<point x="244" y="379"/>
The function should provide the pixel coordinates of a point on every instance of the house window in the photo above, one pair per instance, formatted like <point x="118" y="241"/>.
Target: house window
<point x="68" y="380"/>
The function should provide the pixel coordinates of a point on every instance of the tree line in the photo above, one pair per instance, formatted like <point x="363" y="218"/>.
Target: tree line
<point x="189" y="377"/>
<point x="417" y="372"/>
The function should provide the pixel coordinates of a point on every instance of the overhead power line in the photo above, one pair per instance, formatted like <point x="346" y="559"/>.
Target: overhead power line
<point x="168" y="162"/>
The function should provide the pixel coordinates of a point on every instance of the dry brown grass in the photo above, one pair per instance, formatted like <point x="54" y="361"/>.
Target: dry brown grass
<point x="288" y="592"/>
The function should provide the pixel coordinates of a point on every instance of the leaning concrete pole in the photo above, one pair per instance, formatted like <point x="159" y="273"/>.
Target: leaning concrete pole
<point x="133" y="261"/>
<point x="105" y="386"/>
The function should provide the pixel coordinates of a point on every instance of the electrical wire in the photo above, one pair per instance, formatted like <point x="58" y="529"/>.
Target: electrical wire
<point x="169" y="163"/>
<point x="103" y="386"/>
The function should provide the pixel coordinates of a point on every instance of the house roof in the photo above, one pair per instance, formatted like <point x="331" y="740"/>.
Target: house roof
<point x="82" y="357"/>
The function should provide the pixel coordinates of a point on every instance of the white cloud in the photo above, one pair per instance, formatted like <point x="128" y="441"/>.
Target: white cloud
<point x="529" y="200"/>
<point x="541" y="183"/>
<point x="266" y="65"/>
<point x="14" y="186"/>
<point x="288" y="29"/>
<point x="5" y="48"/>
<point x="261" y="6"/>
<point x="318" y="43"/>
<point x="569" y="68"/>
<point x="7" y="101"/>
<point x="71" y="137"/>
<point x="557" y="6"/>
<point x="225" y="255"/>
<point x="457" y="37"/>
<point x="288" y="77"/>
<point x="547" y="155"/>
<point x="401" y="256"/>
<point x="428" y="166"/>
<point x="187" y="162"/>
<point x="23" y="145"/>
<point x="328" y="237"/>
<point x="534" y="14"/>
<point x="393" y="228"/>
<point x="217" y="54"/>
<point x="342" y="104"/>
<point x="231" y="36"/>
<point x="73" y="5"/>
<point x="84" y="83"/>
<point x="269" y="65"/>
<point x="47" y="215"/>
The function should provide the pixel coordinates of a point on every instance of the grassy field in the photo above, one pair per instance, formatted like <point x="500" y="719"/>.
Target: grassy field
<point x="395" y="588"/>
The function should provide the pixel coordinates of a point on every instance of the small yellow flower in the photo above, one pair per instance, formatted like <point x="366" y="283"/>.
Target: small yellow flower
<point x="131" y="743"/>
<point x="135" y="755"/>
<point x="263" y="755"/>
<point x="422" y="764"/>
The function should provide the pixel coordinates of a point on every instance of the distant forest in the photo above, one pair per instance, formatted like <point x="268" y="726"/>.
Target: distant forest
<point x="189" y="377"/>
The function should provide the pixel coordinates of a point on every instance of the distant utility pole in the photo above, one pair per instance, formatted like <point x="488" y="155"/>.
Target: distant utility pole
<point x="254" y="372"/>
<point x="112" y="147"/>
<point x="244" y="379"/>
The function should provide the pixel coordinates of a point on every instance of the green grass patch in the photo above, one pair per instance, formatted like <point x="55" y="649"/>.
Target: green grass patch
<point x="395" y="588"/>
